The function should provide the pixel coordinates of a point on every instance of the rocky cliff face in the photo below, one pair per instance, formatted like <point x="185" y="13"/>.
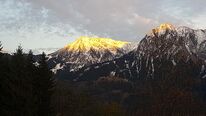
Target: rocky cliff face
<point x="86" y="51"/>
<point x="164" y="49"/>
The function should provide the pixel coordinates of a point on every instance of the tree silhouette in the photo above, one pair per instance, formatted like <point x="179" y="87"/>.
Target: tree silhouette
<point x="26" y="88"/>
<point x="20" y="84"/>
<point x="31" y="72"/>
<point x="44" y="87"/>
<point x="3" y="84"/>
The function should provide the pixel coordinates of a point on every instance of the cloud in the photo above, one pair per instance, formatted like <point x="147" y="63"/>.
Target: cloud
<point x="21" y="23"/>
<point x="125" y="18"/>
<point x="119" y="19"/>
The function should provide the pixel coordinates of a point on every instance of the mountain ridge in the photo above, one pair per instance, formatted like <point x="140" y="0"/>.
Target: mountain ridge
<point x="86" y="52"/>
<point x="169" y="48"/>
<point x="84" y="43"/>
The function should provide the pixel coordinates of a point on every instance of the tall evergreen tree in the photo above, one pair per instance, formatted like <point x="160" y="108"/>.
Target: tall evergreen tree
<point x="31" y="71"/>
<point x="3" y="84"/>
<point x="26" y="88"/>
<point x="6" y="95"/>
<point x="19" y="84"/>
<point x="44" y="87"/>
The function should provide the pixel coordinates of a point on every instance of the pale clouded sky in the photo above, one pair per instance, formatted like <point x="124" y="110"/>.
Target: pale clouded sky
<point x="54" y="23"/>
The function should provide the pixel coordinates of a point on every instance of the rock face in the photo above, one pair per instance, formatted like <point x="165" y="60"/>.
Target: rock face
<point x="165" y="48"/>
<point x="174" y="44"/>
<point x="86" y="51"/>
<point x="180" y="42"/>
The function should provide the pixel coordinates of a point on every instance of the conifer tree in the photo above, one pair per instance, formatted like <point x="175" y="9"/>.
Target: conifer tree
<point x="2" y="84"/>
<point x="6" y="94"/>
<point x="31" y="71"/>
<point x="18" y="83"/>
<point x="44" y="87"/>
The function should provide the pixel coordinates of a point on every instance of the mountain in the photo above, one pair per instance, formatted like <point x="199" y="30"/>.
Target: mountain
<point x="171" y="41"/>
<point x="86" y="51"/>
<point x="167" y="48"/>
<point x="38" y="51"/>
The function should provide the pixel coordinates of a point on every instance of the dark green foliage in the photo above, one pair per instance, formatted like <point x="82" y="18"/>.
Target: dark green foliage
<point x="4" y="81"/>
<point x="28" y="89"/>
<point x="73" y="101"/>
<point x="19" y="84"/>
<point x="32" y="73"/>
<point x="44" y="85"/>
<point x="25" y="87"/>
<point x="173" y="90"/>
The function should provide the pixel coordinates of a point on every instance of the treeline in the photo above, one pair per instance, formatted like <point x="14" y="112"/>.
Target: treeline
<point x="173" y="90"/>
<point x="71" y="100"/>
<point x="26" y="86"/>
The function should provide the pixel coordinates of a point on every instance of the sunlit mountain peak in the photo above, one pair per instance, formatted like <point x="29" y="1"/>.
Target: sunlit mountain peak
<point x="163" y="27"/>
<point x="166" y="26"/>
<point x="85" y="43"/>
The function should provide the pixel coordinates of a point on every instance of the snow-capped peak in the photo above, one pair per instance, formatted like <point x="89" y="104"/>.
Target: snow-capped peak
<point x="87" y="43"/>
<point x="162" y="29"/>
<point x="89" y="50"/>
<point x="164" y="26"/>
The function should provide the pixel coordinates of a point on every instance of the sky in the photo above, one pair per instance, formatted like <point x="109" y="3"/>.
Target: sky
<point x="55" y="23"/>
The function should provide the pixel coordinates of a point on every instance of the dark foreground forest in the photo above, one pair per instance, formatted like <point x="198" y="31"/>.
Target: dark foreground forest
<point x="27" y="88"/>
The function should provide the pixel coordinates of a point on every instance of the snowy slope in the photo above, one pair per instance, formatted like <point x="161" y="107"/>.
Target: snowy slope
<point x="86" y="51"/>
<point x="166" y="45"/>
